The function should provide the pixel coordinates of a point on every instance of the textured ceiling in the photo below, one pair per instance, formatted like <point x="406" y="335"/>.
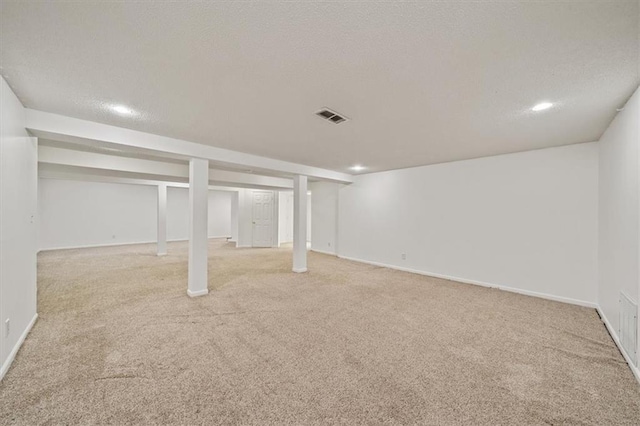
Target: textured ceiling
<point x="421" y="82"/>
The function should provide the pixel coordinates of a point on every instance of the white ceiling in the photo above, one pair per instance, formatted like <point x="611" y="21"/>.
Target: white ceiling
<point x="422" y="83"/>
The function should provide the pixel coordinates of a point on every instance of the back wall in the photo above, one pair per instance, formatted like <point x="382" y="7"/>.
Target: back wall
<point x="81" y="213"/>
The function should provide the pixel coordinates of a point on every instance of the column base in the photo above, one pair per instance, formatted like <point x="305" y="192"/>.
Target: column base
<point x="198" y="293"/>
<point x="161" y="254"/>
<point x="299" y="270"/>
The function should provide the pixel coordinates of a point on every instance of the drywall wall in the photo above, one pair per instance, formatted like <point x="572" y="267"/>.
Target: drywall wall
<point x="82" y="213"/>
<point x="245" y="218"/>
<point x="324" y="216"/>
<point x="309" y="230"/>
<point x="618" y="211"/>
<point x="178" y="214"/>
<point x="234" y="216"/>
<point x="525" y="221"/>
<point x="18" y="228"/>
<point x="285" y="217"/>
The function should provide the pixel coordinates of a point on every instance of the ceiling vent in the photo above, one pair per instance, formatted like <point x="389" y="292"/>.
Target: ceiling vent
<point x="332" y="116"/>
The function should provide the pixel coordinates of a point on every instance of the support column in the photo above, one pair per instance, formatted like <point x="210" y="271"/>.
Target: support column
<point x="198" y="223"/>
<point x="299" y="223"/>
<point x="162" y="219"/>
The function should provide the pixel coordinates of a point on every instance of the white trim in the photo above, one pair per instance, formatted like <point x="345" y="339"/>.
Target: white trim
<point x="325" y="252"/>
<point x="299" y="271"/>
<point x="119" y="244"/>
<point x="616" y="340"/>
<point x="16" y="348"/>
<point x="481" y="283"/>
<point x="198" y="293"/>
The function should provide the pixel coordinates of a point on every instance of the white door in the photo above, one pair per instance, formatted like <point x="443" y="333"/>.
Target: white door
<point x="262" y="219"/>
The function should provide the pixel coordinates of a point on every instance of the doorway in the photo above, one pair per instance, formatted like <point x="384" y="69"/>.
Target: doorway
<point x="262" y="219"/>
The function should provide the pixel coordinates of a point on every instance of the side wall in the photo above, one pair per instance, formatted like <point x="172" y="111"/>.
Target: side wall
<point x="324" y="216"/>
<point x="81" y="213"/>
<point x="525" y="221"/>
<point x="618" y="212"/>
<point x="18" y="231"/>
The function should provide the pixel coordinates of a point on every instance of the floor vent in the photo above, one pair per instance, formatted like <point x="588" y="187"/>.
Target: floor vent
<point x="628" y="326"/>
<point x="332" y="116"/>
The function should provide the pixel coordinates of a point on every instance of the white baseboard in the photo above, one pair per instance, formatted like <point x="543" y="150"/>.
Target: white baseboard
<point x="7" y="364"/>
<point x="117" y="244"/>
<point x="197" y="293"/>
<point x="324" y="252"/>
<point x="481" y="283"/>
<point x="616" y="339"/>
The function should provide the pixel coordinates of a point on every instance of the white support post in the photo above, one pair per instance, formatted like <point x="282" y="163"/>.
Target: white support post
<point x="198" y="215"/>
<point x="162" y="219"/>
<point x="299" y="223"/>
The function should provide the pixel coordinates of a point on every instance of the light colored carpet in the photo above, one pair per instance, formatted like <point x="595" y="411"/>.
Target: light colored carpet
<point x="119" y="342"/>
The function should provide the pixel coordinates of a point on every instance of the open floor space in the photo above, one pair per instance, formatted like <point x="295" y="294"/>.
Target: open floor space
<point x="312" y="212"/>
<point x="118" y="342"/>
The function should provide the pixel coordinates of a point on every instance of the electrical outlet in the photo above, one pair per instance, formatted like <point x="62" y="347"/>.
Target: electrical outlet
<point x="7" y="327"/>
<point x="404" y="256"/>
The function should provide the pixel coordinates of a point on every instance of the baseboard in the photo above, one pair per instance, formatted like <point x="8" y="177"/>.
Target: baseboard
<point x="324" y="252"/>
<point x="7" y="364"/>
<point x="480" y="283"/>
<point x="616" y="340"/>
<point x="197" y="293"/>
<point x="117" y="244"/>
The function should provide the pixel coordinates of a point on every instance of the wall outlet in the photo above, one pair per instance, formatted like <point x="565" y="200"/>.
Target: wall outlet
<point x="7" y="327"/>
<point x="404" y="256"/>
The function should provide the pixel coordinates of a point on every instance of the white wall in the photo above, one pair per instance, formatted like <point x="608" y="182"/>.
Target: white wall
<point x="219" y="214"/>
<point x="245" y="218"/>
<point x="309" y="197"/>
<point x="526" y="221"/>
<point x="18" y="230"/>
<point x="81" y="213"/>
<point x="618" y="211"/>
<point x="324" y="211"/>
<point x="285" y="217"/>
<point x="235" y="197"/>
<point x="178" y="213"/>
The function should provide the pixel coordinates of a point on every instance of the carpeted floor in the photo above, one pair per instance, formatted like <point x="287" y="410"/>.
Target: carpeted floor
<point x="119" y="342"/>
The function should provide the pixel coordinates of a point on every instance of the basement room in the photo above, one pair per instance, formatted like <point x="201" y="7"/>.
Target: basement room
<point x="311" y="212"/>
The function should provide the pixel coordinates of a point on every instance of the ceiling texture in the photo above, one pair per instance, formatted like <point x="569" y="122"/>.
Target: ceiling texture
<point x="421" y="82"/>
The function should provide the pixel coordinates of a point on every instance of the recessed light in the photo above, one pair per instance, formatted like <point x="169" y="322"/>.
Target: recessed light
<point x="121" y="109"/>
<point x="357" y="168"/>
<point x="542" y="106"/>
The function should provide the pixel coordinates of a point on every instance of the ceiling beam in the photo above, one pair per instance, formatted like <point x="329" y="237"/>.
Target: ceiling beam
<point x="126" y="165"/>
<point x="67" y="175"/>
<point x="73" y="130"/>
